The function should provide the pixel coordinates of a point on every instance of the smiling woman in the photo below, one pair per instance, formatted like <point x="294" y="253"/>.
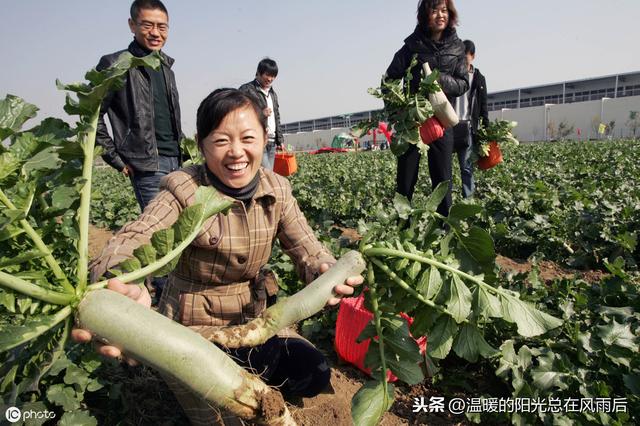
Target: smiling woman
<point x="217" y="280"/>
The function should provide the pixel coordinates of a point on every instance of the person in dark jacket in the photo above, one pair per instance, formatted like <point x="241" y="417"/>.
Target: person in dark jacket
<point x="144" y="114"/>
<point x="471" y="108"/>
<point x="435" y="41"/>
<point x="261" y="88"/>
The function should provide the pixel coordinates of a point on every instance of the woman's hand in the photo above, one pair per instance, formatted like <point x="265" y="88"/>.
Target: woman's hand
<point x="139" y="294"/>
<point x="341" y="290"/>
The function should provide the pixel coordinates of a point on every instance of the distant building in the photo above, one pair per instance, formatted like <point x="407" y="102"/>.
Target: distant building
<point x="566" y="110"/>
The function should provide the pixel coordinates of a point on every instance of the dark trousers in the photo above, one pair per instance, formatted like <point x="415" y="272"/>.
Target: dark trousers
<point x="293" y="365"/>
<point x="439" y="158"/>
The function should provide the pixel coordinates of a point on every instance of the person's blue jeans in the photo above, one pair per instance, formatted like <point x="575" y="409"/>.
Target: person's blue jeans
<point x="269" y="155"/>
<point x="146" y="186"/>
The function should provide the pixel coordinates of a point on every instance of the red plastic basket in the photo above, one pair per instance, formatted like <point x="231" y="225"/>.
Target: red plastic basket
<point x="493" y="159"/>
<point x="431" y="130"/>
<point x="352" y="319"/>
<point x="285" y="164"/>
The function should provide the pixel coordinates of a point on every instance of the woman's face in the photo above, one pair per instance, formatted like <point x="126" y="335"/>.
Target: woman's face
<point x="233" y="151"/>
<point x="439" y="17"/>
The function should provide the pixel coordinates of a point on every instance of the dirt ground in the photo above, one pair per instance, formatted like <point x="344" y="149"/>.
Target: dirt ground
<point x="334" y="406"/>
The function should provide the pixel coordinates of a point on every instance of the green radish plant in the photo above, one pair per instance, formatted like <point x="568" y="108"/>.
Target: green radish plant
<point x="445" y="265"/>
<point x="440" y="271"/>
<point x="45" y="194"/>
<point x="403" y="111"/>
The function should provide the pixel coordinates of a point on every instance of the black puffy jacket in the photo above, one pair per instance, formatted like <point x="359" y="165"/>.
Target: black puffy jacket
<point x="130" y="112"/>
<point x="446" y="55"/>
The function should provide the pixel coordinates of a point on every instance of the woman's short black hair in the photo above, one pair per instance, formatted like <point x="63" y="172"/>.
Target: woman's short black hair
<point x="426" y="6"/>
<point x="268" y="66"/>
<point x="145" y="4"/>
<point x="215" y="107"/>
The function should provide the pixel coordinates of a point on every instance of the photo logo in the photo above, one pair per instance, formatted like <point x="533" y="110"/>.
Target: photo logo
<point x="13" y="414"/>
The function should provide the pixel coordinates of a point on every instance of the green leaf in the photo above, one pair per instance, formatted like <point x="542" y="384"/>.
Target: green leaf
<point x="402" y="205"/>
<point x="469" y="343"/>
<point x="479" y="244"/>
<point x="47" y="159"/>
<point x="21" y="258"/>
<point x="37" y="406"/>
<point x="213" y="203"/>
<point x="530" y="321"/>
<point x="436" y="197"/>
<point x="430" y="283"/>
<point x="407" y="371"/>
<point x="397" y="339"/>
<point x="15" y="335"/>
<point x="162" y="241"/>
<point x="549" y="379"/>
<point x="130" y="265"/>
<point x="146" y="254"/>
<point x="423" y="321"/>
<point x="76" y="376"/>
<point x="486" y="304"/>
<point x="441" y="337"/>
<point x="619" y="335"/>
<point x="90" y="95"/>
<point x="460" y="212"/>
<point x="414" y="270"/>
<point x="14" y="112"/>
<point x="63" y="197"/>
<point x="459" y="303"/>
<point x="64" y="396"/>
<point x="370" y="403"/>
<point x="187" y="221"/>
<point x="78" y="418"/>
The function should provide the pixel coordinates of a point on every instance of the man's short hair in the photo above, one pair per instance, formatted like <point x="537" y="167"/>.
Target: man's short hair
<point x="267" y="66"/>
<point x="469" y="47"/>
<point x="137" y="5"/>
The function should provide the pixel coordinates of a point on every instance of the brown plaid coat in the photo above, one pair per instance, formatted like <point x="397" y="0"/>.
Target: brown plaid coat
<point x="216" y="281"/>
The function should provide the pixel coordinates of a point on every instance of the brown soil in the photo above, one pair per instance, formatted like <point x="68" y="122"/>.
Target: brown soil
<point x="98" y="238"/>
<point x="333" y="407"/>
<point x="548" y="271"/>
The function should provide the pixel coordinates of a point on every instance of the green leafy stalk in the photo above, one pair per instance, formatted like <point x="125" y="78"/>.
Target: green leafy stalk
<point x="88" y="146"/>
<point x="375" y="251"/>
<point x="376" y="320"/>
<point x="35" y="291"/>
<point x="35" y="237"/>
<point x="410" y="290"/>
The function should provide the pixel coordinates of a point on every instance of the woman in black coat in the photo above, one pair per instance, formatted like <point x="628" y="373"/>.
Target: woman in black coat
<point x="434" y="41"/>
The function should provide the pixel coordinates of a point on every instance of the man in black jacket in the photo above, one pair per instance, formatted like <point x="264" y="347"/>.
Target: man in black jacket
<point x="261" y="88"/>
<point x="144" y="114"/>
<point x="471" y="108"/>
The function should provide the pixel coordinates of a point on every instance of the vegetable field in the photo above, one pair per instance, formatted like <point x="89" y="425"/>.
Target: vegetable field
<point x="569" y="342"/>
<point x="575" y="204"/>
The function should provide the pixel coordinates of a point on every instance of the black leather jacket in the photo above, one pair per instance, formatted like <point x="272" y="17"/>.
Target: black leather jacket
<point x="253" y="87"/>
<point x="130" y="112"/>
<point x="446" y="55"/>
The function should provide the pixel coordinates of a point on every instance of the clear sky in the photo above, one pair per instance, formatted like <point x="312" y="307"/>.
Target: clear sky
<point x="329" y="52"/>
